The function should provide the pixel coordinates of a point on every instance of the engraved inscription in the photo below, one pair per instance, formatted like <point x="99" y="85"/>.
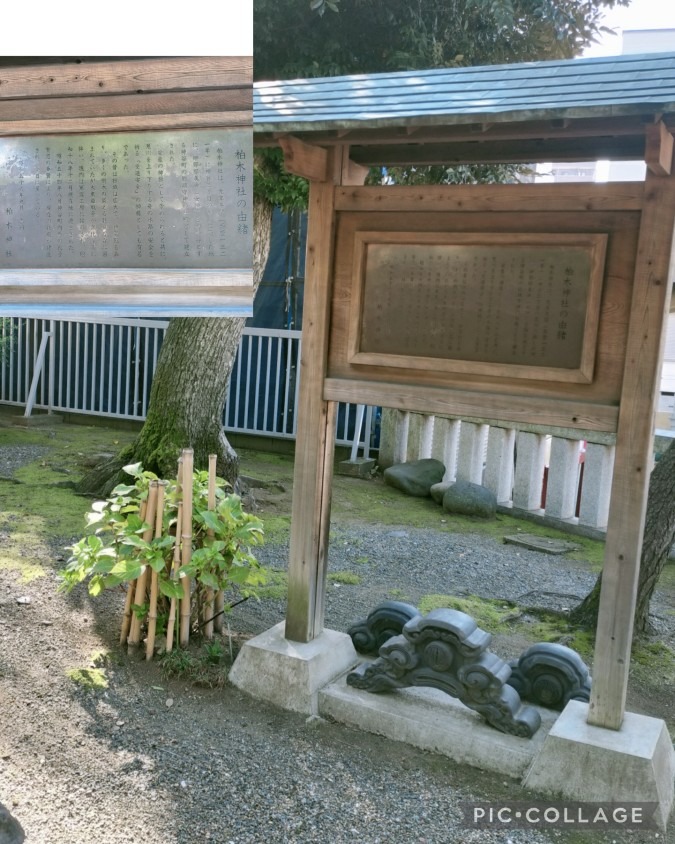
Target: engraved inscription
<point x="519" y="304"/>
<point x="179" y="199"/>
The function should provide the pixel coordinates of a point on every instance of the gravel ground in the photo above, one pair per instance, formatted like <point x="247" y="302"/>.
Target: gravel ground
<point x="157" y="762"/>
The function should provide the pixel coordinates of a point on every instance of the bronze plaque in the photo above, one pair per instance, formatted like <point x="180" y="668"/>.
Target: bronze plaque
<point x="527" y="302"/>
<point x="179" y="201"/>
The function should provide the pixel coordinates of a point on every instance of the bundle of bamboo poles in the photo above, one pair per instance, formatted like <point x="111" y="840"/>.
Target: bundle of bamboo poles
<point x="145" y="589"/>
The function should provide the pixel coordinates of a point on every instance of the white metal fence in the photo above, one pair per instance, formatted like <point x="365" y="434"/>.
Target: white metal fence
<point x="106" y="369"/>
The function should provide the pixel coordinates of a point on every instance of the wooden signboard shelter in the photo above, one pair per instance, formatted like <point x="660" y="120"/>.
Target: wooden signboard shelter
<point x="555" y="294"/>
<point x="126" y="187"/>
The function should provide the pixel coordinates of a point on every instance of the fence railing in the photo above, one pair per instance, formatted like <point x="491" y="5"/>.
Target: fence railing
<point x="532" y="471"/>
<point x="106" y="369"/>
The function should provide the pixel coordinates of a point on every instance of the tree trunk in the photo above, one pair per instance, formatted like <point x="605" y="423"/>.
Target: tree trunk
<point x="658" y="539"/>
<point x="188" y="391"/>
<point x="659" y="534"/>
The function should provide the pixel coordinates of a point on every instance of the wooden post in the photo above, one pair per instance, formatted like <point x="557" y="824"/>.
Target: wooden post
<point x="186" y="547"/>
<point x="141" y="584"/>
<point x="316" y="428"/>
<point x="154" y="577"/>
<point x="649" y="308"/>
<point x="209" y="604"/>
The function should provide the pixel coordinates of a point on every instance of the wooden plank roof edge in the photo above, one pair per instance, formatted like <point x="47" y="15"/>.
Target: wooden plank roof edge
<point x="298" y="127"/>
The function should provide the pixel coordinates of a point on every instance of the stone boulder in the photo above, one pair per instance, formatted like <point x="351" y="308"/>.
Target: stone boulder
<point x="416" y="477"/>
<point x="11" y="831"/>
<point x="469" y="499"/>
<point x="437" y="491"/>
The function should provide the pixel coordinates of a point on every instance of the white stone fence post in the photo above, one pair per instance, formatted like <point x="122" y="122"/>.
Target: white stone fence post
<point x="559" y="475"/>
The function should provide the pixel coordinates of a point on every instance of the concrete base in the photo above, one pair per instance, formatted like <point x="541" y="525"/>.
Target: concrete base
<point x="430" y="719"/>
<point x="360" y="467"/>
<point x="582" y="762"/>
<point x="290" y="674"/>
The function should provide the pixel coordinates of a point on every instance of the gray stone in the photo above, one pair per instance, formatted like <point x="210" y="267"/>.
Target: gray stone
<point x="11" y="831"/>
<point x="360" y="467"/>
<point x="469" y="499"/>
<point x="544" y="544"/>
<point x="439" y="490"/>
<point x="416" y="477"/>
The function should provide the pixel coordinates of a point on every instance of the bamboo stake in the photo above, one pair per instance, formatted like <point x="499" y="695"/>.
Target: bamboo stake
<point x="186" y="546"/>
<point x="141" y="584"/>
<point x="154" y="577"/>
<point x="131" y="589"/>
<point x="176" y="555"/>
<point x="209" y="605"/>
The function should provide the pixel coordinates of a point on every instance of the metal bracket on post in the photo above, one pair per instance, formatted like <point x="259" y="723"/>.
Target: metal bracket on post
<point x="39" y="364"/>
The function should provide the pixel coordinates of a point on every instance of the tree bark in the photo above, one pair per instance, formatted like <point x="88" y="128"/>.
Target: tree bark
<point x="188" y="391"/>
<point x="659" y="537"/>
<point x="659" y="534"/>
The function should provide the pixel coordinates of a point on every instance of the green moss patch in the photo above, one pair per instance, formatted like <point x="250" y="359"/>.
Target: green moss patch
<point x="653" y="660"/>
<point x="277" y="529"/>
<point x="88" y="678"/>
<point x="276" y="587"/>
<point x="488" y="614"/>
<point x="349" y="578"/>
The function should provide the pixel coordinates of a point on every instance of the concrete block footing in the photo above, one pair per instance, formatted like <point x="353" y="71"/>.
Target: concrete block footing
<point x="567" y="757"/>
<point x="582" y="762"/>
<point x="360" y="467"/>
<point x="290" y="674"/>
<point x="432" y="720"/>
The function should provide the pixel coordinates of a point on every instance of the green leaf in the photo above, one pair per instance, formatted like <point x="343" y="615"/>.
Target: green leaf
<point x="208" y="579"/>
<point x="239" y="574"/>
<point x="96" y="585"/>
<point x="134" y="469"/>
<point x="127" y="569"/>
<point x="135" y="541"/>
<point x="171" y="589"/>
<point x="211" y="520"/>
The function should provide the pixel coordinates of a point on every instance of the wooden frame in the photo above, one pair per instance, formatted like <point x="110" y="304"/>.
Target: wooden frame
<point x="101" y="293"/>
<point x="148" y="99"/>
<point x="590" y="248"/>
<point x="615" y="385"/>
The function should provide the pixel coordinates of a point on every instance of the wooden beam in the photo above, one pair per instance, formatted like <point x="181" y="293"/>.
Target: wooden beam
<point x="129" y="123"/>
<point x="315" y="438"/>
<point x="497" y="151"/>
<point x="659" y="149"/>
<point x="534" y="130"/>
<point x="117" y="105"/>
<point x="125" y="77"/>
<point x="613" y="196"/>
<point x="640" y="390"/>
<point x="562" y="413"/>
<point x="352" y="174"/>
<point x="302" y="159"/>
